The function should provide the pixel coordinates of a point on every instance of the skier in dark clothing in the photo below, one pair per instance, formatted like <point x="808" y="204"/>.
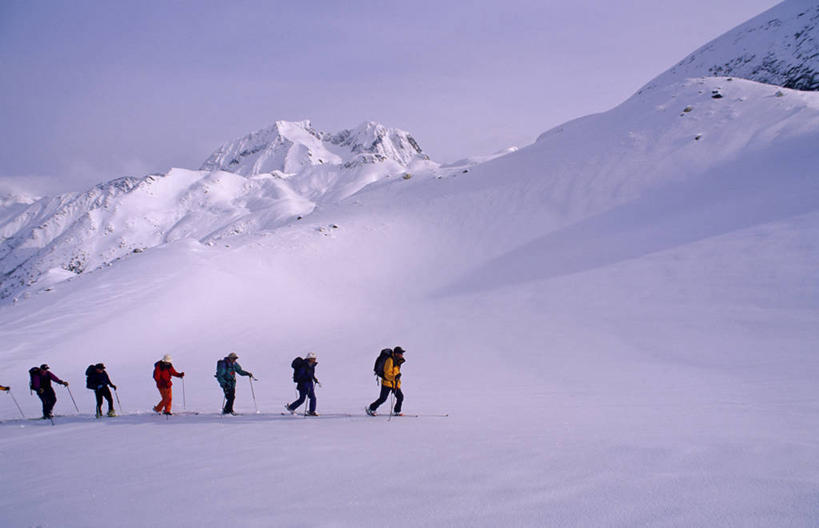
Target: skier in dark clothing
<point x="304" y="374"/>
<point x="226" y="370"/>
<point x="390" y="383"/>
<point x="41" y="379"/>
<point x="97" y="380"/>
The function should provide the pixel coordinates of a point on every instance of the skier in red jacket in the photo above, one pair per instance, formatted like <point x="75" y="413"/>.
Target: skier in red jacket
<point x="163" y="370"/>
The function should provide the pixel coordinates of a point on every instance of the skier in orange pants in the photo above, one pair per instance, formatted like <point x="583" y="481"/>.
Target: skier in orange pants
<point x="163" y="370"/>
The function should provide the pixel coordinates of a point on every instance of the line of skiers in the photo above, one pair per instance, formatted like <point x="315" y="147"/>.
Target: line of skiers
<point x="387" y="367"/>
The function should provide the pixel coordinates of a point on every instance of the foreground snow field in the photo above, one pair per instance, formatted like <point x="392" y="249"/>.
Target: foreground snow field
<point x="620" y="322"/>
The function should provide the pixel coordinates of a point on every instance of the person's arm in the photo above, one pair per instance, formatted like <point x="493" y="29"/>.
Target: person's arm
<point x="177" y="374"/>
<point x="108" y="381"/>
<point x="55" y="378"/>
<point x="240" y="371"/>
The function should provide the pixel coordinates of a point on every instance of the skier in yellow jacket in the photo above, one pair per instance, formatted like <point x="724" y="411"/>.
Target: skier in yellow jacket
<point x="390" y="383"/>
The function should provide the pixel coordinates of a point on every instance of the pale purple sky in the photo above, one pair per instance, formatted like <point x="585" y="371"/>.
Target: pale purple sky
<point x="95" y="90"/>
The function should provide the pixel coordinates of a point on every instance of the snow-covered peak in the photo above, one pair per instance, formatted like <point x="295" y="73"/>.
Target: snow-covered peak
<point x="290" y="147"/>
<point x="779" y="46"/>
<point x="372" y="142"/>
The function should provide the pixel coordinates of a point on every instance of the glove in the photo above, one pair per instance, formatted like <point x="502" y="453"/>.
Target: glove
<point x="6" y="389"/>
<point x="65" y="383"/>
<point x="398" y="376"/>
<point x="318" y="383"/>
<point x="40" y="391"/>
<point x="114" y="387"/>
<point x="181" y="374"/>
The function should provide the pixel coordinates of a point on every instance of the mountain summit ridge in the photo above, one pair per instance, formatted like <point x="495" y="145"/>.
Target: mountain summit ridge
<point x="291" y="146"/>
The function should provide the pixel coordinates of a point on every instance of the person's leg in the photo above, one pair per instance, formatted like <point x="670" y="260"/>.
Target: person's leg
<point x="399" y="399"/>
<point x="44" y="401"/>
<point x="106" y="392"/>
<point x="167" y="399"/>
<point x="230" y="396"/>
<point x="311" y="393"/>
<point x="385" y="393"/>
<point x="302" y="395"/>
<point x="158" y="406"/>
<point x="98" y="396"/>
<point x="50" y="401"/>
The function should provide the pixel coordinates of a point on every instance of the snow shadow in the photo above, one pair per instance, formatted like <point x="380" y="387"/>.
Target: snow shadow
<point x="767" y="186"/>
<point x="176" y="419"/>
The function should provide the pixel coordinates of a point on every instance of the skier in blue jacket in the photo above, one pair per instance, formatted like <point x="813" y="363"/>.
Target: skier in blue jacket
<point x="226" y="370"/>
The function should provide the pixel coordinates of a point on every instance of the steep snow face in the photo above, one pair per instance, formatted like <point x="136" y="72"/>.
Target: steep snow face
<point x="780" y="46"/>
<point x="291" y="147"/>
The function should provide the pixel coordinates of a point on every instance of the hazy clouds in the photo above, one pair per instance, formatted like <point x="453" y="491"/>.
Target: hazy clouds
<point x="91" y="91"/>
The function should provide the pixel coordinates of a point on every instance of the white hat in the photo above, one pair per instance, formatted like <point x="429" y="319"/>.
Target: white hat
<point x="311" y="355"/>
<point x="167" y="358"/>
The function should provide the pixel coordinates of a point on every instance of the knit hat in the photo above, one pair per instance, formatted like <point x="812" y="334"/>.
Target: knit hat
<point x="167" y="358"/>
<point x="99" y="366"/>
<point x="398" y="350"/>
<point x="43" y="367"/>
<point x="232" y="355"/>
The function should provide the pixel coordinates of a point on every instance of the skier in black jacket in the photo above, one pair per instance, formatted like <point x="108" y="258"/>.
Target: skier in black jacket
<point x="97" y="380"/>
<point x="305" y="375"/>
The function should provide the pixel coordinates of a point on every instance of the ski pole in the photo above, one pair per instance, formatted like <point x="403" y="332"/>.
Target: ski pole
<point x="184" y="400"/>
<point x="250" y="380"/>
<point x="118" y="403"/>
<point x="72" y="398"/>
<point x="17" y="404"/>
<point x="392" y="395"/>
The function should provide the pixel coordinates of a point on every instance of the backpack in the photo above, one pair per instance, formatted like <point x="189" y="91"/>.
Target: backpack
<point x="297" y="364"/>
<point x="221" y="370"/>
<point x="33" y="372"/>
<point x="378" y="368"/>
<point x="88" y="373"/>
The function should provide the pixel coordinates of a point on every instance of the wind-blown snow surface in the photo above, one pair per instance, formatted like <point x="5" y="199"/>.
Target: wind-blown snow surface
<point x="620" y="320"/>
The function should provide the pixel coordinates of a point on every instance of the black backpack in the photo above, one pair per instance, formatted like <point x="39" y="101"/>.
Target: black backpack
<point x="296" y="364"/>
<point x="88" y="373"/>
<point x="378" y="368"/>
<point x="33" y="372"/>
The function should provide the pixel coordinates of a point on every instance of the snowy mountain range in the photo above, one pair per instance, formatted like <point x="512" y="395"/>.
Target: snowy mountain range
<point x="282" y="173"/>
<point x="253" y="184"/>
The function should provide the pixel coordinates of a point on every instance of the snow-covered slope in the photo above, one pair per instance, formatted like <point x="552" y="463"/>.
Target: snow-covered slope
<point x="779" y="46"/>
<point x="624" y="309"/>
